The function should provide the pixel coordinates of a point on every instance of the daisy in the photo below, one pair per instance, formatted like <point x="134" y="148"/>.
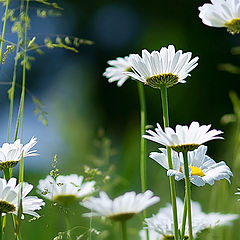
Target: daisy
<point x="184" y="138"/>
<point x="222" y="13"/>
<point x="164" y="67"/>
<point x="65" y="189"/>
<point x="11" y="154"/>
<point x="10" y="194"/>
<point x="116" y="73"/>
<point x="120" y="208"/>
<point x="162" y="223"/>
<point x="202" y="169"/>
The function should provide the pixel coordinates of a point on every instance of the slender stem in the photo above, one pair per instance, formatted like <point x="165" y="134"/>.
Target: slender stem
<point x="188" y="193"/>
<point x="143" y="140"/>
<point x="3" y="29"/>
<point x="1" y="231"/>
<point x="124" y="230"/>
<point x="170" y="165"/>
<point x="184" y="217"/>
<point x="143" y="144"/>
<point x="6" y="174"/>
<point x="68" y="226"/>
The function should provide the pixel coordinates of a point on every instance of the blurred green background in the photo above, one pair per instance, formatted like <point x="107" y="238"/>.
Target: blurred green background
<point x="95" y="123"/>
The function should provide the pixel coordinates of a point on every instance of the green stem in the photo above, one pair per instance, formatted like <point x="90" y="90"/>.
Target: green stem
<point x="170" y="165"/>
<point x="143" y="140"/>
<point x="124" y="230"/>
<point x="184" y="217"/>
<point x="4" y="28"/>
<point x="188" y="193"/>
<point x="68" y="226"/>
<point x="6" y="174"/>
<point x="143" y="144"/>
<point x="1" y="231"/>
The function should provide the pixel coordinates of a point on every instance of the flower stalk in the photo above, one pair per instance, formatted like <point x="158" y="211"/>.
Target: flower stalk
<point x="124" y="230"/>
<point x="184" y="218"/>
<point x="171" y="178"/>
<point x="188" y="194"/>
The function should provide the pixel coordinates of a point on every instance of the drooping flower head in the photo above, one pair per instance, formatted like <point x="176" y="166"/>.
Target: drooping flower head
<point x="184" y="138"/>
<point x="11" y="154"/>
<point x="65" y="189"/>
<point x="202" y="169"/>
<point x="120" y="208"/>
<point x="117" y="69"/>
<point x="222" y="13"/>
<point x="162" y="223"/>
<point x="164" y="67"/>
<point x="10" y="194"/>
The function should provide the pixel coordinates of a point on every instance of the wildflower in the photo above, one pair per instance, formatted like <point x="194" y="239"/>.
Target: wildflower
<point x="202" y="169"/>
<point x="164" y="67"/>
<point x="11" y="154"/>
<point x="120" y="208"/>
<point x="222" y="13"/>
<point x="115" y="73"/>
<point x="161" y="225"/>
<point x="10" y="194"/>
<point x="65" y="189"/>
<point x="184" y="138"/>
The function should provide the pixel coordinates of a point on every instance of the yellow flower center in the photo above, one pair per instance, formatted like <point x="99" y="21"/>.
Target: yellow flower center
<point x="194" y="171"/>
<point x="233" y="26"/>
<point x="167" y="79"/>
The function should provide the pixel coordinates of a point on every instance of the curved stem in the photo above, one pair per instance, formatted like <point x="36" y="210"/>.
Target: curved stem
<point x="4" y="28"/>
<point x="188" y="194"/>
<point x="124" y="230"/>
<point x="170" y="165"/>
<point x="184" y="217"/>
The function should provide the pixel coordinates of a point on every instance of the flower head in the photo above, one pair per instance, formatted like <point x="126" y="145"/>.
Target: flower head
<point x="222" y="13"/>
<point x="184" y="138"/>
<point x="120" y="208"/>
<point x="11" y="154"/>
<point x="162" y="223"/>
<point x="164" y="67"/>
<point x="10" y="194"/>
<point x="115" y="73"/>
<point x="65" y="189"/>
<point x="202" y="169"/>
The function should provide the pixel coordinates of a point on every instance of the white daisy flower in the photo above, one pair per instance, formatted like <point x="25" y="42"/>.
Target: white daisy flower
<point x="162" y="223"/>
<point x="11" y="154"/>
<point x="202" y="169"/>
<point x="164" y="67"/>
<point x="10" y="194"/>
<point x="120" y="208"/>
<point x="222" y="13"/>
<point x="116" y="73"/>
<point x="184" y="138"/>
<point x="65" y="189"/>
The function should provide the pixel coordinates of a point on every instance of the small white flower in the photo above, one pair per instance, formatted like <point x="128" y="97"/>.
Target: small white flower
<point x="120" y="208"/>
<point x="202" y="169"/>
<point x="116" y="73"/>
<point x="164" y="67"/>
<point x="184" y="138"/>
<point x="222" y="13"/>
<point x="11" y="154"/>
<point x="162" y="223"/>
<point x="65" y="189"/>
<point x="10" y="194"/>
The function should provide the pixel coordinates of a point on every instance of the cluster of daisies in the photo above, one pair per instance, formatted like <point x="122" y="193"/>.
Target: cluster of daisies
<point x="182" y="145"/>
